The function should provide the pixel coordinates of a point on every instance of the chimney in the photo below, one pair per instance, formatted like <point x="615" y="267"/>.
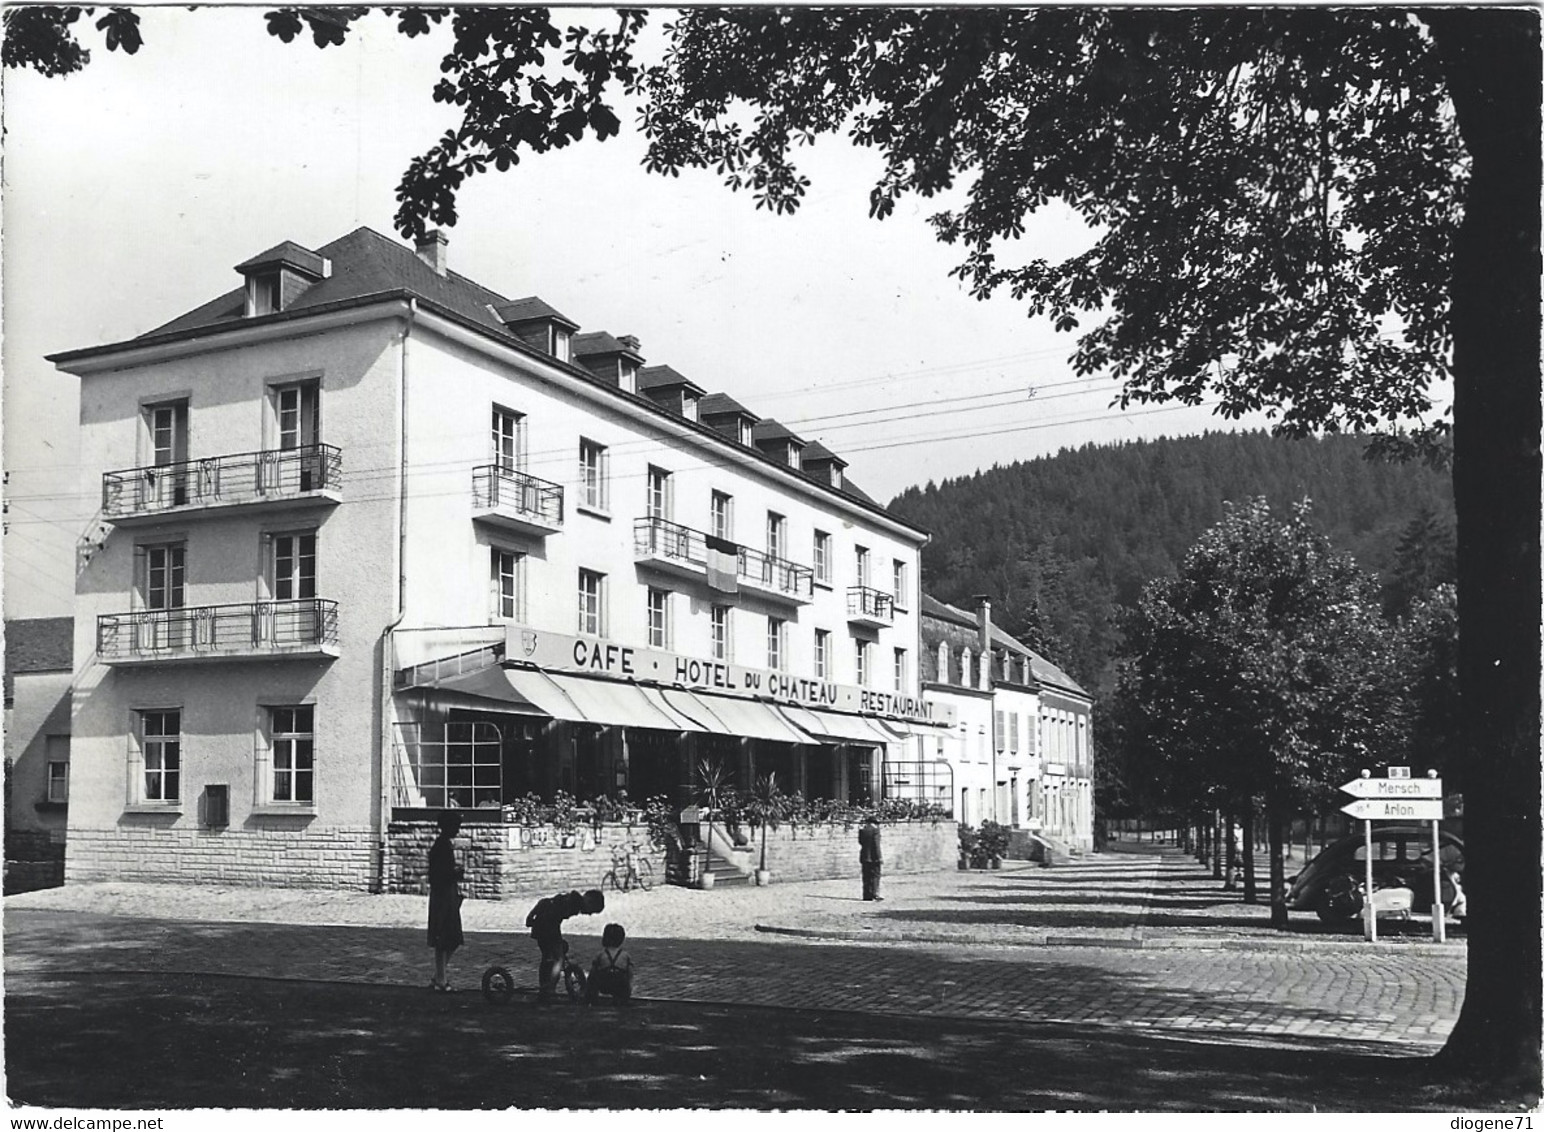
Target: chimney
<point x="984" y="623"/>
<point x="631" y="342"/>
<point x="431" y="249"/>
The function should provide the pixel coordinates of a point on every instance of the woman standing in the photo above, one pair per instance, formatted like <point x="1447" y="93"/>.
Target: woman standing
<point x="444" y="898"/>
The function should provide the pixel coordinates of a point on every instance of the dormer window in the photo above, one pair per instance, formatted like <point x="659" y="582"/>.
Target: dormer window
<point x="263" y="295"/>
<point x="689" y="406"/>
<point x="627" y="376"/>
<point x="562" y="344"/>
<point x="746" y="432"/>
<point x="279" y="276"/>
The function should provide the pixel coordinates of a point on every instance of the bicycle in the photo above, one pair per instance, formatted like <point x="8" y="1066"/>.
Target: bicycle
<point x="637" y="871"/>
<point x="498" y="985"/>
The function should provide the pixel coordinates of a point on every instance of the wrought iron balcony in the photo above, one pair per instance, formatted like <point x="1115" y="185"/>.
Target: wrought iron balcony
<point x="271" y="478"/>
<point x="511" y="499"/>
<point x="868" y="606"/>
<point x="305" y="628"/>
<point x="776" y="577"/>
<point x="670" y="546"/>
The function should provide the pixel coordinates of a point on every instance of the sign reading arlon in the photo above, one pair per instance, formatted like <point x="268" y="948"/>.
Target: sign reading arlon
<point x="560" y="652"/>
<point x="1394" y="809"/>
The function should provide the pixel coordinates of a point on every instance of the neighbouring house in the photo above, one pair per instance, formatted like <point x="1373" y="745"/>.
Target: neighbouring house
<point x="1021" y="751"/>
<point x="379" y="541"/>
<point x="37" y="749"/>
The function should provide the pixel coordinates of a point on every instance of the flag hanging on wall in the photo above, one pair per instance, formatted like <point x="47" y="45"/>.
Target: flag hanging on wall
<point x="723" y="565"/>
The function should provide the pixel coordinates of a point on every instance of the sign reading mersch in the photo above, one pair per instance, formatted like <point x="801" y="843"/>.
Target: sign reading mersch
<point x="563" y="653"/>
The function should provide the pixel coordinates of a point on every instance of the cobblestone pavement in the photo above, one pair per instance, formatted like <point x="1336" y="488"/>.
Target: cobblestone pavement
<point x="1131" y="940"/>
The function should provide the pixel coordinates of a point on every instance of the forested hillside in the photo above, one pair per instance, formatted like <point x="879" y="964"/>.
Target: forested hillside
<point x="1058" y="542"/>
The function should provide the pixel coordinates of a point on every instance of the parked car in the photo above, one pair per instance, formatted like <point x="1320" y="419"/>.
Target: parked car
<point x="1332" y="884"/>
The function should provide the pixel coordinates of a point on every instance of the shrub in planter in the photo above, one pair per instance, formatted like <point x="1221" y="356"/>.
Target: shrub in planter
<point x="993" y="844"/>
<point x="970" y="843"/>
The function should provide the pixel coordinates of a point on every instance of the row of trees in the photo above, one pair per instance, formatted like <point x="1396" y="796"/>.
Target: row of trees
<point x="1266" y="671"/>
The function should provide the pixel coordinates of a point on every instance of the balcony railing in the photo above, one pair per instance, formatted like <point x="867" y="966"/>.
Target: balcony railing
<point x="248" y="630"/>
<point x="776" y="575"/>
<point x="665" y="542"/>
<point x="501" y="495"/>
<point x="869" y="606"/>
<point x="274" y="475"/>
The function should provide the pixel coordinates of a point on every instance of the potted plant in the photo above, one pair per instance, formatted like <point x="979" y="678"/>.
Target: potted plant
<point x="766" y="807"/>
<point x="969" y="840"/>
<point x="994" y="843"/>
<point x="565" y="819"/>
<point x="712" y="788"/>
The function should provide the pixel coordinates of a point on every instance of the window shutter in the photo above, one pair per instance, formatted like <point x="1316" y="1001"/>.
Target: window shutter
<point x="134" y="764"/>
<point x="997" y="719"/>
<point x="262" y="763"/>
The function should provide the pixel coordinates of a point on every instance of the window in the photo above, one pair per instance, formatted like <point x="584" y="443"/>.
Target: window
<point x="562" y="344"/>
<point x="861" y="563"/>
<point x="659" y="618"/>
<point x="777" y="530"/>
<point x="861" y="658"/>
<point x="822" y="654"/>
<point x="943" y="662"/>
<point x="293" y="566"/>
<point x="292" y="749"/>
<point x="507" y="581"/>
<point x="823" y="557"/>
<point x="899" y="590"/>
<point x="57" y="752"/>
<point x="167" y="425"/>
<point x="592" y="603"/>
<point x="722" y="642"/>
<point x="967" y="668"/>
<point x="722" y="514"/>
<point x="747" y="433"/>
<point x="160" y="750"/>
<point x="296" y="415"/>
<point x="166" y="434"/>
<point x="659" y="498"/>
<point x="264" y="295"/>
<point x="900" y="670"/>
<point x="777" y="630"/>
<point x="594" y="475"/>
<point x="163" y="576"/>
<point x="508" y="437"/>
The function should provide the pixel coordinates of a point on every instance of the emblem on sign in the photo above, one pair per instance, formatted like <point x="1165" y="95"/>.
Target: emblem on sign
<point x="528" y="642"/>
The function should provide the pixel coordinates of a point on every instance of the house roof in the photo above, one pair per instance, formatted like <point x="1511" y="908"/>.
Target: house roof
<point x="288" y="253"/>
<point x="1040" y="668"/>
<point x="531" y="309"/>
<point x="37" y="644"/>
<point x="368" y="267"/>
<point x="817" y="453"/>
<point x="769" y="429"/>
<point x="663" y="377"/>
<point x="599" y="343"/>
<point x="723" y="405"/>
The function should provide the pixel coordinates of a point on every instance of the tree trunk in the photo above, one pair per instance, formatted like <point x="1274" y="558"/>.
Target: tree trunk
<point x="1230" y="870"/>
<point x="1217" y="843"/>
<point x="1275" y="820"/>
<point x="1251" y="893"/>
<point x="1490" y="60"/>
<point x="1203" y="851"/>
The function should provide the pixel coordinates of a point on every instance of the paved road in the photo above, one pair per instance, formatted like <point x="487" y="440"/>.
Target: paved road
<point x="1140" y="942"/>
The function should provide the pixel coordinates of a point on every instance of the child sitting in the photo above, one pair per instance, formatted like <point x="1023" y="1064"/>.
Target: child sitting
<point x="612" y="971"/>
<point x="546" y="923"/>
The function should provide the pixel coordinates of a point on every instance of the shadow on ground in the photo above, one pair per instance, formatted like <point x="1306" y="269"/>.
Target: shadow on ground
<point x="177" y="1041"/>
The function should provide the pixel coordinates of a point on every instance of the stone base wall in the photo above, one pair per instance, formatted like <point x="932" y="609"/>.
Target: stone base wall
<point x="511" y="860"/>
<point x="34" y="858"/>
<point x="336" y="857"/>
<point x="831" y="852"/>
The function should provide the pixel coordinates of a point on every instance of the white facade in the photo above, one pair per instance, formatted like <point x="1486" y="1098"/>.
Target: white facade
<point x="1021" y="755"/>
<point x="298" y="505"/>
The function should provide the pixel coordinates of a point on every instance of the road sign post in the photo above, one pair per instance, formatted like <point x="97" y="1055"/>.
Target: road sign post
<point x="1399" y="798"/>
<point x="1369" y="912"/>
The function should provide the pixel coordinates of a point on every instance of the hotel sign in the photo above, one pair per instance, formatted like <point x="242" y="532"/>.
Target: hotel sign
<point x="595" y="656"/>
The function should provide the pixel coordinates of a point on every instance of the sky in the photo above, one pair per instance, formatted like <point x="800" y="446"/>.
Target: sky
<point x="133" y="188"/>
